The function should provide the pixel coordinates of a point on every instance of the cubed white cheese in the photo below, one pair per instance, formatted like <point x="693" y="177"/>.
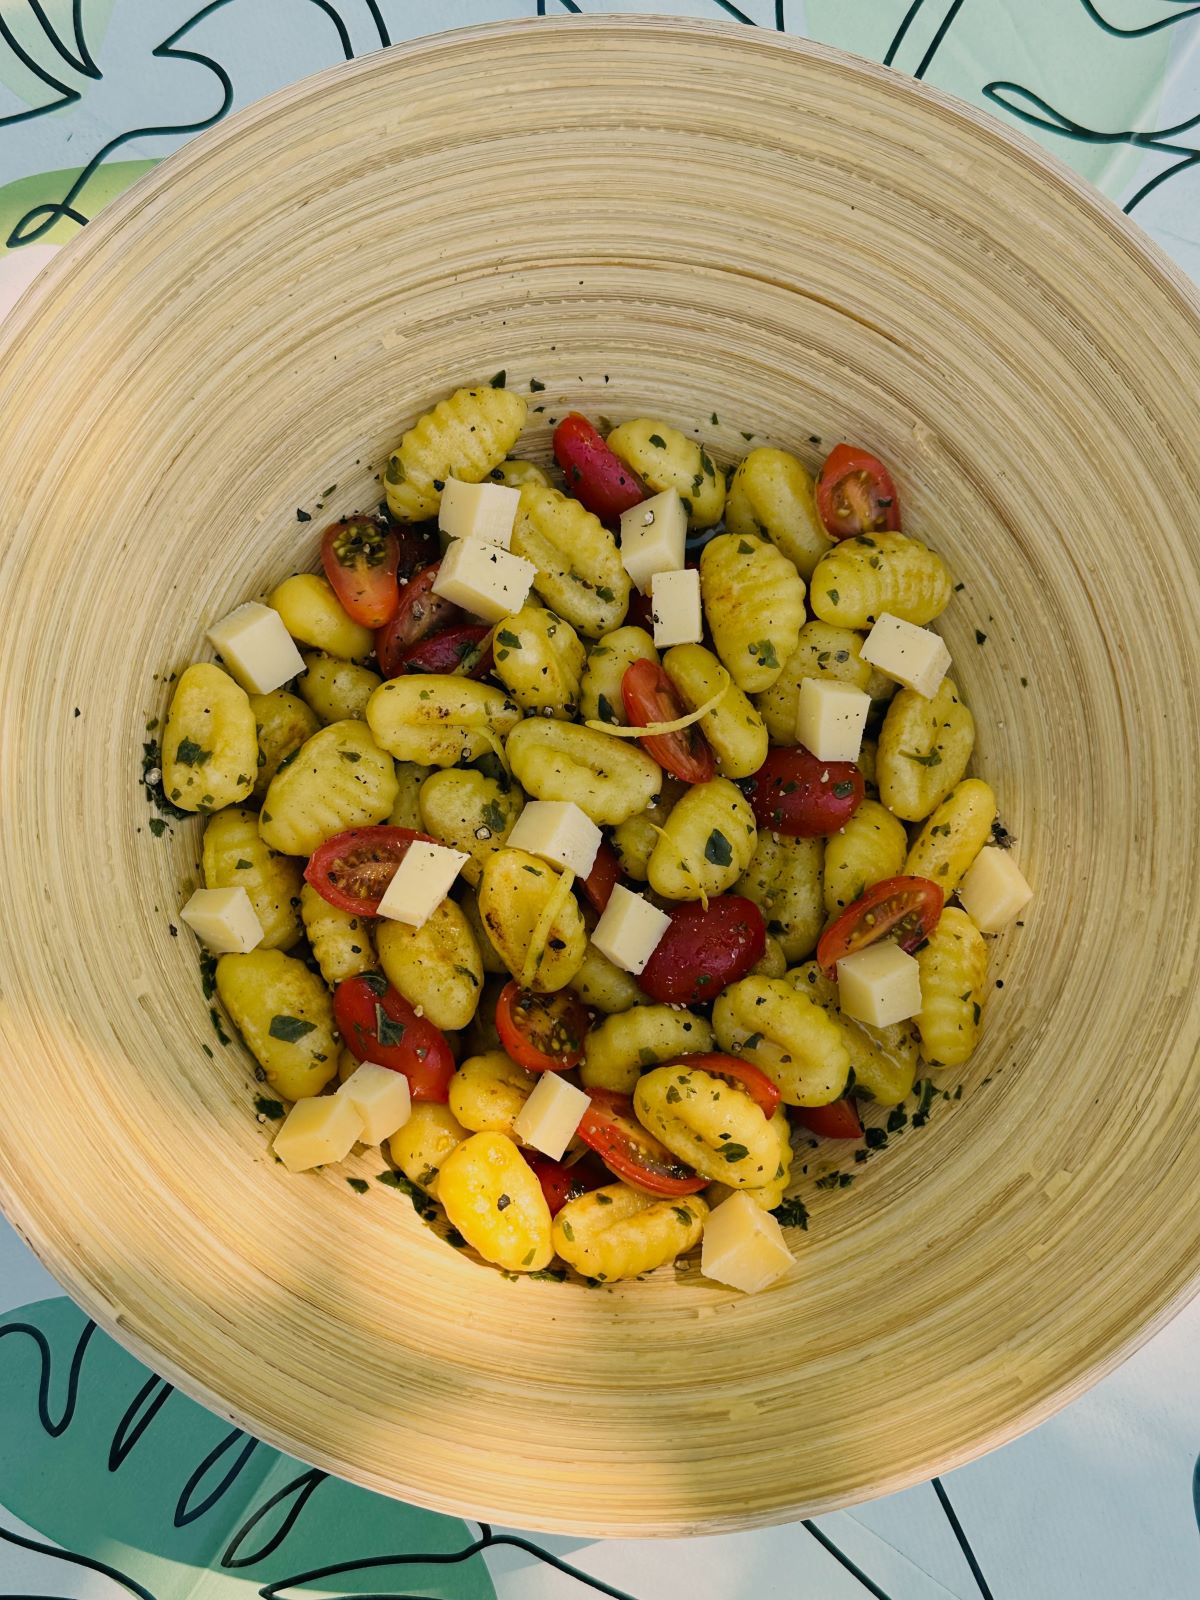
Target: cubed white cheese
<point x="256" y="647"/>
<point x="421" y="882"/>
<point x="548" y="1119"/>
<point x="831" y="718"/>
<point x="652" y="537"/>
<point x="224" y="920"/>
<point x="317" y="1131"/>
<point x="675" y="599"/>
<point x="629" y="929"/>
<point x="879" y="985"/>
<point x="994" y="890"/>
<point x="743" y="1245"/>
<point x="916" y="657"/>
<point x="483" y="579"/>
<point x="559" y="832"/>
<point x="381" y="1098"/>
<point x="484" y="511"/>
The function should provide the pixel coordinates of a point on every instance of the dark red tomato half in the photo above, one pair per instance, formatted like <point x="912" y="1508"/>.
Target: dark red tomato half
<point x="650" y="697"/>
<point x="640" y="613"/>
<point x="795" y="794"/>
<point x="595" y="475"/>
<point x="562" y="1182"/>
<point x="742" y="1073"/>
<point x="353" y="869"/>
<point x="542" y="1032"/>
<point x="904" y="909"/>
<point x="610" y="1127"/>
<point x="855" y="494"/>
<point x="378" y="1024"/>
<point x="704" y="949"/>
<point x="464" y="652"/>
<point x="360" y="559"/>
<point x="838" y="1120"/>
<point x="419" y="546"/>
<point x="420" y="613"/>
<point x="604" y="876"/>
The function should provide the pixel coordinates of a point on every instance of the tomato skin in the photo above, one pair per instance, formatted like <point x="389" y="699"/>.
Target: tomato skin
<point x="640" y="613"/>
<point x="353" y="869"/>
<point x="610" y="1128"/>
<point x="838" y="1120"/>
<point x="795" y="794"/>
<point x="423" y="1052"/>
<point x="360" y="559"/>
<point x="742" y="1073"/>
<point x="420" y="612"/>
<point x="595" y="475"/>
<point x="450" y="651"/>
<point x="650" y="696"/>
<point x="418" y="544"/>
<point x="604" y="876"/>
<point x="704" y="950"/>
<point x="541" y="1032"/>
<point x="561" y="1182"/>
<point x="855" y="494"/>
<point x="906" y="909"/>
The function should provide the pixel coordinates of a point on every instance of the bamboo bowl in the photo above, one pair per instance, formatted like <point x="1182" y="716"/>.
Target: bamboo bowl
<point x="650" y="218"/>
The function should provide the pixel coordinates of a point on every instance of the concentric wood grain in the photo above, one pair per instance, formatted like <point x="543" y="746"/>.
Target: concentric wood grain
<point x="659" y="218"/>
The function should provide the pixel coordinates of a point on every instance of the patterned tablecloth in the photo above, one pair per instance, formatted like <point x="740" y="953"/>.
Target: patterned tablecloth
<point x="110" y="1482"/>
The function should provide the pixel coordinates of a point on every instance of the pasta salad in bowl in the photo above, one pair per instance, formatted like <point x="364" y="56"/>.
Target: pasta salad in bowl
<point x="595" y="839"/>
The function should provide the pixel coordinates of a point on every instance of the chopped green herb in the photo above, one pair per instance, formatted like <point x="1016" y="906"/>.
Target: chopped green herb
<point x="673" y="1096"/>
<point x="568" y="1233"/>
<point x="387" y="1031"/>
<point x="289" y="1029"/>
<point x="359" y="1185"/>
<point x="603" y="1199"/>
<point x="604" y="708"/>
<point x="500" y="379"/>
<point x="603" y="592"/>
<point x="535" y="386"/>
<point x="841" y="790"/>
<point x="684" y="1215"/>
<point x="351" y="756"/>
<point x="190" y="754"/>
<point x="764" y="652"/>
<point x="375" y="982"/>
<point x="158" y="826"/>
<point x="503" y="1202"/>
<point x="735" y="1152"/>
<point x="493" y="816"/>
<point x="832" y="596"/>
<point x="792" y="1214"/>
<point x="214" y="1017"/>
<point x="933" y="759"/>
<point x="718" y="850"/>
<point x="745" y="548"/>
<point x="268" y="1108"/>
<point x="507" y="637"/>
<point x="657" y="440"/>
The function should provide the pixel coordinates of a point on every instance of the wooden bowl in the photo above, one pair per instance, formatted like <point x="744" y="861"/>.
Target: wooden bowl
<point x="649" y="218"/>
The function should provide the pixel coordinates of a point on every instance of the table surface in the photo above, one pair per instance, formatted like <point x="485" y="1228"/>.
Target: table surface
<point x="110" y="1482"/>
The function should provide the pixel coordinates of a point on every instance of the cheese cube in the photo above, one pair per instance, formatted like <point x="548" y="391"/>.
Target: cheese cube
<point x="559" y="832"/>
<point x="743" y="1245"/>
<point x="652" y="537"/>
<point x="224" y="920"/>
<point x="381" y="1098"/>
<point x="994" y="890"/>
<point x="916" y="657"/>
<point x="629" y="930"/>
<point x="317" y="1131"/>
<point x="256" y="647"/>
<point x="484" y="511"/>
<point x="421" y="882"/>
<point x="548" y="1119"/>
<point x="879" y="985"/>
<point x="831" y="718"/>
<point x="483" y="579"/>
<point x="678" y="618"/>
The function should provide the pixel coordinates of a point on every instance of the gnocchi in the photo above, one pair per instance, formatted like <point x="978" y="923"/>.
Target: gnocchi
<point x="705" y="844"/>
<point x="234" y="856"/>
<point x="619" y="1049"/>
<point x="754" y="601"/>
<point x="336" y="690"/>
<point x="466" y="436"/>
<point x="470" y="811"/>
<point x="579" y="571"/>
<point x="861" y="578"/>
<point x="665" y="459"/>
<point x="771" y="496"/>
<point x="603" y="776"/>
<point x="210" y="743"/>
<point x="436" y="967"/>
<point x="338" y="779"/>
<point x="924" y="747"/>
<point x="618" y="1232"/>
<point x="539" y="660"/>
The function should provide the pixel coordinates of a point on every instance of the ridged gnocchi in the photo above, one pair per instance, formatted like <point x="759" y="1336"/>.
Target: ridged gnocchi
<point x="341" y="943"/>
<point x="884" y="1060"/>
<point x="605" y="777"/>
<point x="788" y="1035"/>
<point x="665" y="459"/>
<point x="953" y="985"/>
<point x="282" y="1011"/>
<point x="712" y="1125"/>
<point x="338" y="779"/>
<point x="235" y="857"/>
<point x="533" y="919"/>
<point x="861" y="578"/>
<point x="465" y="436"/>
<point x="210" y="743"/>
<point x="765" y="1195"/>
<point x="608" y="660"/>
<point x="617" y="1232"/>
<point x="579" y="571"/>
<point x="954" y="835"/>
<point x="282" y="723"/>
<point x="539" y="660"/>
<point x="784" y="880"/>
<point x="754" y="601"/>
<point x="619" y="1049"/>
<point x="335" y="689"/>
<point x="870" y="847"/>
<point x="924" y="747"/>
<point x="436" y="967"/>
<point x="733" y="728"/>
<point x="469" y="811"/>
<point x="440" y="720"/>
<point x="771" y="495"/>
<point x="706" y="843"/>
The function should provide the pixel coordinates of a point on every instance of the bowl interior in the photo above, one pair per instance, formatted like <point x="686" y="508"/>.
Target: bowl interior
<point x="796" y="246"/>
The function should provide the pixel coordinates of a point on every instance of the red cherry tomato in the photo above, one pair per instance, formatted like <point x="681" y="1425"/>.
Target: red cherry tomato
<point x="360" y="560"/>
<point x="418" y="544"/>
<point x="378" y="1024"/>
<point x="595" y="475"/>
<point x="838" y="1120"/>
<point x="906" y="909"/>
<point x="353" y="869"/>
<point x="420" y="613"/>
<point x="855" y="494"/>
<point x="704" y="949"/>
<point x="561" y="1182"/>
<point x="742" y="1073"/>
<point x="795" y="794"/>
<point x="457" y="652"/>
<point x="541" y="1032"/>
<point x="640" y="613"/>
<point x="604" y="876"/>
<point x="649" y="697"/>
<point x="611" y="1128"/>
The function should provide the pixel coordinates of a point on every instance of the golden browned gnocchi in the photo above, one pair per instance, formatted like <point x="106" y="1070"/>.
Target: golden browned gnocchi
<point x="705" y="844"/>
<point x="862" y="578"/>
<point x="465" y="436"/>
<point x="869" y="848"/>
<point x="469" y="811"/>
<point x="440" y="721"/>
<point x="954" y="835"/>
<point x="733" y="728"/>
<point x="423" y="1143"/>
<point x="340" y="941"/>
<point x="884" y="1060"/>
<point x="784" y="881"/>
<point x="492" y="1197"/>
<point x="712" y="1125"/>
<point x="532" y="919"/>
<point x="436" y="967"/>
<point x="579" y="571"/>
<point x="665" y="459"/>
<point x="634" y="839"/>
<point x="235" y="857"/>
<point x="606" y="778"/>
<point x="619" y="1049"/>
<point x="282" y="1011"/>
<point x="488" y="1091"/>
<point x="617" y="1232"/>
<point x="822" y="651"/>
<point x="313" y="615"/>
<point x="953" y="983"/>
<point x="539" y="660"/>
<point x="787" y="1035"/>
<point x="754" y="601"/>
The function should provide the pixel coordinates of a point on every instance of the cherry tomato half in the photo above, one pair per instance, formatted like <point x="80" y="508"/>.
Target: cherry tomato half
<point x="604" y="876"/>
<point x="611" y="1128"/>
<point x="795" y="794"/>
<point x="742" y="1073"/>
<point x="541" y="1032"/>
<point x="595" y="475"/>
<point x="378" y="1024"/>
<point x="360" y="560"/>
<point x="562" y="1182"/>
<point x="838" y="1120"/>
<point x="906" y="909"/>
<point x="353" y="869"/>
<point x="641" y="612"/>
<point x="704" y="949"/>
<point x="649" y="697"/>
<point x="420" y="613"/>
<point x="418" y="544"/>
<point x="454" y="651"/>
<point x="855" y="494"/>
